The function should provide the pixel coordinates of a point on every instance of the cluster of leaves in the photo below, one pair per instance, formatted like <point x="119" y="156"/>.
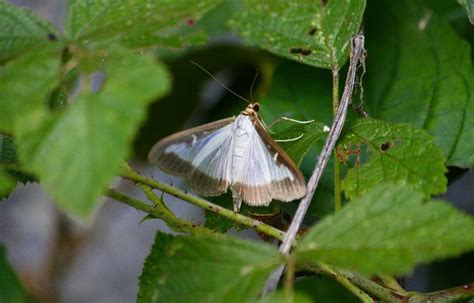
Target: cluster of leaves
<point x="72" y="102"/>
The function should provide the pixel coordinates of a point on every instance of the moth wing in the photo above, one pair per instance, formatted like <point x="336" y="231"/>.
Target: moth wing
<point x="268" y="173"/>
<point x="201" y="154"/>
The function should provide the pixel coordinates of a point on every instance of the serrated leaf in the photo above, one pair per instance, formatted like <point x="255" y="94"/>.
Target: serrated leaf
<point x="7" y="184"/>
<point x="469" y="7"/>
<point x="310" y="132"/>
<point x="11" y="289"/>
<point x="77" y="151"/>
<point x="205" y="269"/>
<point x="388" y="231"/>
<point x="311" y="32"/>
<point x="138" y="23"/>
<point x="21" y="30"/>
<point x="26" y="84"/>
<point x="420" y="71"/>
<point x="396" y="152"/>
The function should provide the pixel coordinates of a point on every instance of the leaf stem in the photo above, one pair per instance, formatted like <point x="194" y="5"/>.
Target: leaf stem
<point x="337" y="164"/>
<point x="455" y="294"/>
<point x="174" y="223"/>
<point x="344" y="281"/>
<point x="259" y="226"/>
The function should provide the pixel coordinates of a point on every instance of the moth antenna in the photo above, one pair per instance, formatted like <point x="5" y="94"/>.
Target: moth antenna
<point x="221" y="84"/>
<point x="253" y="83"/>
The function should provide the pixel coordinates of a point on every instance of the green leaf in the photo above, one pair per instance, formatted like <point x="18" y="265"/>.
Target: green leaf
<point x="469" y="7"/>
<point x="310" y="132"/>
<point x="138" y="23"/>
<point x="216" y="222"/>
<point x="389" y="230"/>
<point x="396" y="152"/>
<point x="21" y="30"/>
<point x="324" y="289"/>
<point x="11" y="289"/>
<point x="420" y="72"/>
<point x="205" y="269"/>
<point x="77" y="151"/>
<point x="311" y="32"/>
<point x="26" y="84"/>
<point x="7" y="184"/>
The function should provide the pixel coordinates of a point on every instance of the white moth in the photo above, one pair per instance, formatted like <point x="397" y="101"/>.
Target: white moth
<point x="236" y="152"/>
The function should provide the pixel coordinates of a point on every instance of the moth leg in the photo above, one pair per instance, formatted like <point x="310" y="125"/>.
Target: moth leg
<point x="289" y="119"/>
<point x="237" y="203"/>
<point x="290" y="140"/>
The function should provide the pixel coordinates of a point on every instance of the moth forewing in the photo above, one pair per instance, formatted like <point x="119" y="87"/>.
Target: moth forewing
<point x="178" y="154"/>
<point x="235" y="152"/>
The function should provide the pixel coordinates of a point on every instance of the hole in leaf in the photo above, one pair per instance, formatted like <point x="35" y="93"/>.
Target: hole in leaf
<point x="302" y="51"/>
<point x="385" y="146"/>
<point x="312" y="31"/>
<point x="52" y="37"/>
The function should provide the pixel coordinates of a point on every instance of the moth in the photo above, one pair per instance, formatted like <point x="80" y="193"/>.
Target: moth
<point x="236" y="153"/>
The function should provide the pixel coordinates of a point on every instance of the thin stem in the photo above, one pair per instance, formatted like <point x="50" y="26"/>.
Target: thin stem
<point x="174" y="223"/>
<point x="455" y="294"/>
<point x="364" y="297"/>
<point x="337" y="164"/>
<point x="392" y="283"/>
<point x="128" y="173"/>
<point x="369" y="286"/>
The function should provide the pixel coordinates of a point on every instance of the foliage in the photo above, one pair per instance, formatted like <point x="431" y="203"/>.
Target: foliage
<point x="73" y="101"/>
<point x="205" y="269"/>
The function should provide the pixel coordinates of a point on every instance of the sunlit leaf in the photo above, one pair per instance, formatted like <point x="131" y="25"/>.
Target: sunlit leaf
<point x="312" y="32"/>
<point x="389" y="230"/>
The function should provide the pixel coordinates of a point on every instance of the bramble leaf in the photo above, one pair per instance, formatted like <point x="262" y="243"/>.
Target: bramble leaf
<point x="419" y="71"/>
<point x="21" y="30"/>
<point x="138" y="23"/>
<point x="388" y="231"/>
<point x="205" y="269"/>
<point x="26" y="84"/>
<point x="312" y="32"/>
<point x="310" y="132"/>
<point x="396" y="153"/>
<point x="77" y="151"/>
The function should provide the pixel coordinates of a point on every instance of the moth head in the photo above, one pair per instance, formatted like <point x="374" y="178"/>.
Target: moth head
<point x="252" y="109"/>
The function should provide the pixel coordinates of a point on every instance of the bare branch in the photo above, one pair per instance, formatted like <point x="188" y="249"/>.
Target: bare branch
<point x="357" y="57"/>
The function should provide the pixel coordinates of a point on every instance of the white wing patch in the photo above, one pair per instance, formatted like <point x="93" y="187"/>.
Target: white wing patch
<point x="258" y="166"/>
<point x="209" y="153"/>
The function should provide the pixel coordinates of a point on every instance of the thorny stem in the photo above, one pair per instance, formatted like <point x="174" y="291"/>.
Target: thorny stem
<point x="361" y="286"/>
<point x="266" y="229"/>
<point x="174" y="223"/>
<point x="337" y="164"/>
<point x="357" y="52"/>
